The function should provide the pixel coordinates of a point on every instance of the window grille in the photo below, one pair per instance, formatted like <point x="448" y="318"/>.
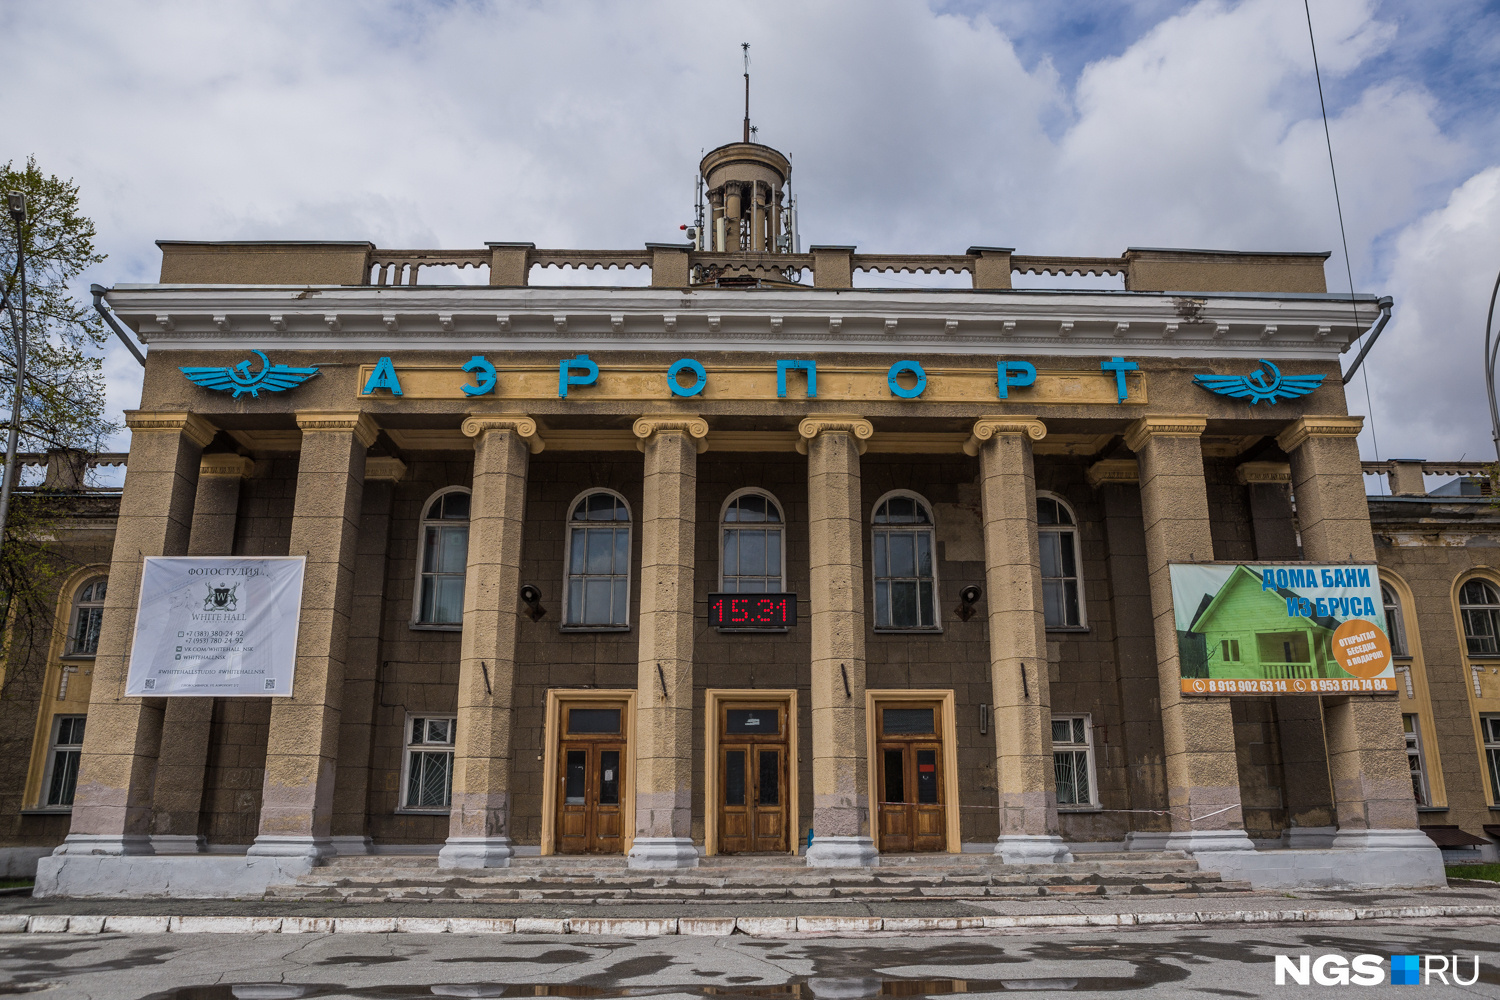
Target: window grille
<point x="1073" y="759"/>
<point x="429" y="762"/>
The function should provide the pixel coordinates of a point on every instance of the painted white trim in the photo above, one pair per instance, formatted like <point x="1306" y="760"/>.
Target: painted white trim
<point x="422" y="522"/>
<point x="451" y="749"/>
<point x="567" y="580"/>
<point x="1004" y="322"/>
<point x="1077" y="532"/>
<point x="724" y="526"/>
<point x="51" y="759"/>
<point x="1093" y="804"/>
<point x="937" y="603"/>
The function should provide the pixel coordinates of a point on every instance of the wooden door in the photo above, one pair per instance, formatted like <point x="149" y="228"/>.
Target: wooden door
<point x="591" y="781"/>
<point x="909" y="780"/>
<point x="752" y="785"/>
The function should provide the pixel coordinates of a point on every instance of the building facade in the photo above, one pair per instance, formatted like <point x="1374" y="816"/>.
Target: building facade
<point x="530" y="516"/>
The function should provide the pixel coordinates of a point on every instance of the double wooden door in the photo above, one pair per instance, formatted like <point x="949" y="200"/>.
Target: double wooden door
<point x="909" y="779"/>
<point x="591" y="782"/>
<point x="752" y="785"/>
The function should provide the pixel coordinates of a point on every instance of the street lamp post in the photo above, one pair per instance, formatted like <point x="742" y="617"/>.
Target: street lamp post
<point x="1491" y="349"/>
<point x="16" y="202"/>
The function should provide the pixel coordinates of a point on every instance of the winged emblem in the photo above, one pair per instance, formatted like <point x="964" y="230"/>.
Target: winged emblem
<point x="271" y="378"/>
<point x="1257" y="389"/>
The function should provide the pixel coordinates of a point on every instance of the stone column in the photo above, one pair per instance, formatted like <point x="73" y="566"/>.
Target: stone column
<point x="1118" y="482"/>
<point x="297" y="798"/>
<point x="841" y="766"/>
<point x="351" y="783"/>
<point x="1203" y="783"/>
<point x="1018" y="641"/>
<point x="112" y="804"/>
<point x="1299" y="721"/>
<point x="479" y="820"/>
<point x="177" y="797"/>
<point x="664" y="680"/>
<point x="1366" y="749"/>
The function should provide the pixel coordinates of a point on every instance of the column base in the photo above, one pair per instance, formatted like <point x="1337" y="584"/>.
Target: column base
<point x="1147" y="840"/>
<point x="1032" y="849"/>
<point x="842" y="852"/>
<point x="476" y="852"/>
<point x="105" y="844"/>
<point x="314" y="848"/>
<point x="174" y="843"/>
<point x="1382" y="840"/>
<point x="352" y="846"/>
<point x="1193" y="841"/>
<point x="1305" y="838"/>
<point x="663" y="852"/>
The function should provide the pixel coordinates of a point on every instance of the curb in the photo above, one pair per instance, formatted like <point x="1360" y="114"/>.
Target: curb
<point x="767" y="927"/>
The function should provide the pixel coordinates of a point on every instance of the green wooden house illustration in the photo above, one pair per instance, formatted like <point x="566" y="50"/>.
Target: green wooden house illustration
<point x="1243" y="632"/>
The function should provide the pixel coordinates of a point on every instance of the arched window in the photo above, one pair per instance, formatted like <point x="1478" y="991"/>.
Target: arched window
<point x="1479" y="607"/>
<point x="905" y="570"/>
<point x="1057" y="537"/>
<point x="1395" y="625"/>
<point x="444" y="558"/>
<point x="598" y="562"/>
<point x="88" y="612"/>
<point x="751" y="545"/>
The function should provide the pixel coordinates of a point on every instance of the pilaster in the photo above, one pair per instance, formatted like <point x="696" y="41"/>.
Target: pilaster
<point x="841" y="808"/>
<point x="664" y="712"/>
<point x="1203" y="790"/>
<point x="297" y="797"/>
<point x="117" y="770"/>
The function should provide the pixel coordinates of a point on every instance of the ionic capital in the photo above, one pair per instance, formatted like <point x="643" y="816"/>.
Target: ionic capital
<point x="190" y="425"/>
<point x="694" y="426"/>
<point x="1146" y="428"/>
<point x="226" y="463"/>
<point x="523" y="426"/>
<point x="1263" y="472"/>
<point x="385" y="467"/>
<point x="1297" y="433"/>
<point x="1113" y="470"/>
<point x="360" y="424"/>
<point x="821" y="423"/>
<point x="986" y="428"/>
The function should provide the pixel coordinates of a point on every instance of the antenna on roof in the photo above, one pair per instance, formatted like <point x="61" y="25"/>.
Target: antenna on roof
<point x="745" y="48"/>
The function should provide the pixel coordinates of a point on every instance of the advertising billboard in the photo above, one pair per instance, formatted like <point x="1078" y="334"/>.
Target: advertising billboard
<point x="1277" y="629"/>
<point x="216" y="626"/>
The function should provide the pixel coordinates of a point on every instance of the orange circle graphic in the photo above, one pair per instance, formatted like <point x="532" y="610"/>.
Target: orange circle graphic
<point x="1361" y="648"/>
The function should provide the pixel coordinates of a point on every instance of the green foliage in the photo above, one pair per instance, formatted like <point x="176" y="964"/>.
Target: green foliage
<point x="63" y="403"/>
<point x="1485" y="873"/>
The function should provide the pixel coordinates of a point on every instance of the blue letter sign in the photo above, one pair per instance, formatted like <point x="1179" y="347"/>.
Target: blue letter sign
<point x="565" y="376"/>
<point x="1119" y="366"/>
<point x="1014" y="373"/>
<point x="484" y="374"/>
<point x="686" y="365"/>
<point x="383" y="377"/>
<point x="811" y="367"/>
<point x="906" y="366"/>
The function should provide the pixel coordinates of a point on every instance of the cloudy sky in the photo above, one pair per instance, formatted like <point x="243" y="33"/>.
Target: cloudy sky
<point x="1081" y="127"/>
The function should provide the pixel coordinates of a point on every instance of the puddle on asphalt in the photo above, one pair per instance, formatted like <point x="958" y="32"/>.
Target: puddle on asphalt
<point x="808" y="988"/>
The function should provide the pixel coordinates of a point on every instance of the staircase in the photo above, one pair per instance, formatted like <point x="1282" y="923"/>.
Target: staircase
<point x="761" y="879"/>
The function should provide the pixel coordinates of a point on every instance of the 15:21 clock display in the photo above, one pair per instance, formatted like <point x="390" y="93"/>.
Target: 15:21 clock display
<point x="749" y="611"/>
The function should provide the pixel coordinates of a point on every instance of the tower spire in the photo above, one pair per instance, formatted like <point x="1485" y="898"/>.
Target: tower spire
<point x="745" y="48"/>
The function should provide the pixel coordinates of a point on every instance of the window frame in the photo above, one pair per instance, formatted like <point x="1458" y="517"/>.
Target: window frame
<point x="568" y="561"/>
<point x="50" y="769"/>
<point x="408" y="748"/>
<point x="1087" y="749"/>
<point x="725" y="528"/>
<point x="75" y="606"/>
<point x="423" y="521"/>
<point x="1075" y="530"/>
<point x="936" y="628"/>
<point x="1415" y="749"/>
<point x="1489" y="742"/>
<point x="1395" y="626"/>
<point x="1465" y="609"/>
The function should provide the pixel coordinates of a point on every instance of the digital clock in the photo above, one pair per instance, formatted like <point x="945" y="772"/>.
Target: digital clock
<point x="752" y="610"/>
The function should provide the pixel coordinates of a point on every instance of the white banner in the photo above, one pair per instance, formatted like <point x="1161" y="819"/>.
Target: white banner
<point x="216" y="626"/>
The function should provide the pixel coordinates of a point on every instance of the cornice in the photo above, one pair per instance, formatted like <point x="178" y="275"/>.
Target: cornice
<point x="986" y="428"/>
<point x="1113" y="470"/>
<point x="362" y="425"/>
<point x="1263" y="472"/>
<point x="1303" y="428"/>
<point x="239" y="318"/>
<point x="1138" y="433"/>
<point x="192" y="426"/>
<point x="821" y="423"/>
<point x="385" y="467"/>
<point x="694" y="426"/>
<point x="524" y="427"/>
<point x="226" y="464"/>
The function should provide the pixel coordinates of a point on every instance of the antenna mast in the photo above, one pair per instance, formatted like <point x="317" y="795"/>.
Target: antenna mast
<point x="745" y="48"/>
